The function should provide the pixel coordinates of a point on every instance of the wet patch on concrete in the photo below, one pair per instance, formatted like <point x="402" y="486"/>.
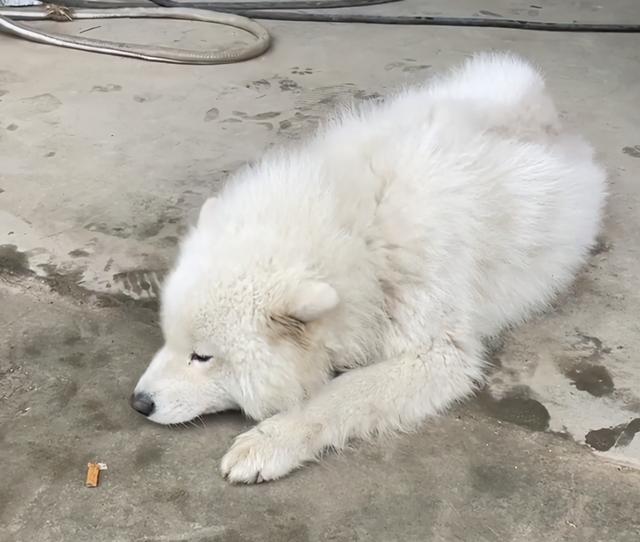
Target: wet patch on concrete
<point x="78" y="253"/>
<point x="582" y="366"/>
<point x="65" y="284"/>
<point x="608" y="437"/>
<point x="296" y="70"/>
<point x="140" y="282"/>
<point x="516" y="407"/>
<point x="288" y="85"/>
<point x="211" y="114"/>
<point x="240" y="116"/>
<point x="594" y="379"/>
<point x="14" y="263"/>
<point x="406" y="66"/>
<point x="632" y="151"/>
<point x="264" y="116"/>
<point x="601" y="439"/>
<point x="68" y="285"/>
<point x="110" y="87"/>
<point x="259" y="85"/>
<point x="628" y="433"/>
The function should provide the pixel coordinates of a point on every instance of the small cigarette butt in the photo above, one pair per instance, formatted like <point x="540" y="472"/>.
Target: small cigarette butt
<point x="93" y="474"/>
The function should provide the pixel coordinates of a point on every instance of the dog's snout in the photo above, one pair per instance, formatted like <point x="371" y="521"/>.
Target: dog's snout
<point x="143" y="403"/>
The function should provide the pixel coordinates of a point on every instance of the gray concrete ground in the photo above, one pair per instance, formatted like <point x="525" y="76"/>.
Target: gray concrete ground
<point x="104" y="162"/>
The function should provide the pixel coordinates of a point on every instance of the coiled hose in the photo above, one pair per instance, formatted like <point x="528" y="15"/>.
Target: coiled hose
<point x="236" y="14"/>
<point x="143" y="52"/>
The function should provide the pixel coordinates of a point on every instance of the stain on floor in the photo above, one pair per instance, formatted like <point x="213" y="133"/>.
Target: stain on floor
<point x="594" y="379"/>
<point x="606" y="438"/>
<point x="518" y="408"/>
<point x="140" y="282"/>
<point x="12" y="261"/>
<point x="633" y="151"/>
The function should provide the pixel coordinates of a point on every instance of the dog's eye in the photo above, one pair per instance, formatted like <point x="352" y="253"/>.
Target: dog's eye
<point x="198" y="357"/>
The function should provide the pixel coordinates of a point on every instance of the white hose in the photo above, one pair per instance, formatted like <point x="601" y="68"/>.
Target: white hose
<point x="144" y="52"/>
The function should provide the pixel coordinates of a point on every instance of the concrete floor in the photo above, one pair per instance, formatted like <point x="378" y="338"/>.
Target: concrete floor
<point x="104" y="162"/>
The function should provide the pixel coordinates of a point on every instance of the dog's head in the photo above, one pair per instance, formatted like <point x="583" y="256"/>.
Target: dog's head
<point x="240" y="331"/>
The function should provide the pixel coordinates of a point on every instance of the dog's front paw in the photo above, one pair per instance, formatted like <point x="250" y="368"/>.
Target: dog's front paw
<point x="270" y="450"/>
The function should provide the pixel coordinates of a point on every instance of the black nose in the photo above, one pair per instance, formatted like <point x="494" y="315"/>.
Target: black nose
<point x="142" y="403"/>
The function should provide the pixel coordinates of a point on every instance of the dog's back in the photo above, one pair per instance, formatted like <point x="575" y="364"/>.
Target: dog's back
<point x="470" y="184"/>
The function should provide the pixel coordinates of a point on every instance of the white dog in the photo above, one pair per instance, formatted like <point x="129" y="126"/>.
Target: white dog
<point x="386" y="249"/>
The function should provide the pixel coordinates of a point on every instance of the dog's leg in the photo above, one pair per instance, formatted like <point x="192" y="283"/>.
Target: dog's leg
<point x="396" y="394"/>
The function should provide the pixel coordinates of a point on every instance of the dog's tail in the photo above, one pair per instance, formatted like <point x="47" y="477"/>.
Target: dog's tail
<point x="504" y="92"/>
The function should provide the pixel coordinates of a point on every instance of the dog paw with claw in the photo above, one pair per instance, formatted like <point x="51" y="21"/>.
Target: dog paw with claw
<point x="269" y="451"/>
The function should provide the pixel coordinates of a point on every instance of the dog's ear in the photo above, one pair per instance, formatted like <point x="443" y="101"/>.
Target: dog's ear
<point x="311" y="300"/>
<point x="206" y="210"/>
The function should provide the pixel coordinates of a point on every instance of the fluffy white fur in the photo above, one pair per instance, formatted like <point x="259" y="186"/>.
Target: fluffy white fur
<point x="386" y="249"/>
